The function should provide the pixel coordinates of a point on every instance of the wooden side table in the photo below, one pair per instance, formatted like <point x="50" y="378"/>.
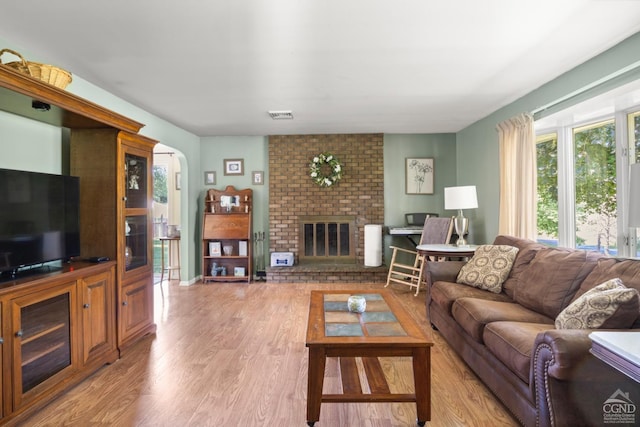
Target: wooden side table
<point x="174" y="243"/>
<point x="620" y="350"/>
<point x="442" y="251"/>
<point x="447" y="251"/>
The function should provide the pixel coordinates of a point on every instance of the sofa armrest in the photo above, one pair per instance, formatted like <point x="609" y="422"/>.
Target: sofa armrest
<point x="565" y="355"/>
<point x="446" y="271"/>
<point x="562" y="351"/>
<point x="563" y="370"/>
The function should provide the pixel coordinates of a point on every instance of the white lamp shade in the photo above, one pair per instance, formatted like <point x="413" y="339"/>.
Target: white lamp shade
<point x="464" y="197"/>
<point x="634" y="195"/>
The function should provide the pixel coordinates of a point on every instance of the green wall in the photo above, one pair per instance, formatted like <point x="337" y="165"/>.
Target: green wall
<point x="187" y="148"/>
<point x="468" y="157"/>
<point x="397" y="147"/>
<point x="477" y="145"/>
<point x="254" y="150"/>
<point x="28" y="145"/>
<point x="21" y="138"/>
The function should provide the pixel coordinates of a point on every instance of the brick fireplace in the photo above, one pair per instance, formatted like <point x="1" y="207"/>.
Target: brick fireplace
<point x="294" y="195"/>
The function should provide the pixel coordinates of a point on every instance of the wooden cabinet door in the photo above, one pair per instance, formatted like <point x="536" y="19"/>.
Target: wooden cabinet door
<point x="43" y="343"/>
<point x="135" y="311"/>
<point x="227" y="226"/>
<point x="135" y="244"/>
<point x="98" y="315"/>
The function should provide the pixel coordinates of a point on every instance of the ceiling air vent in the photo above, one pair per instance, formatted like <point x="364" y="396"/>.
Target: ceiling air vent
<point x="281" y="115"/>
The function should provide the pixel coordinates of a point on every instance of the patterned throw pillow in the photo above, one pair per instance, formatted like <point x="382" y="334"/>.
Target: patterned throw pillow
<point x="489" y="267"/>
<point x="609" y="305"/>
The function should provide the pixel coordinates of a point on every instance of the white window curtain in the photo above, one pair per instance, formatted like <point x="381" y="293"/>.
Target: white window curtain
<point x="518" y="177"/>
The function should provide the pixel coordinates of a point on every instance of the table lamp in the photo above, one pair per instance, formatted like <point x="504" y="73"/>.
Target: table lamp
<point x="459" y="198"/>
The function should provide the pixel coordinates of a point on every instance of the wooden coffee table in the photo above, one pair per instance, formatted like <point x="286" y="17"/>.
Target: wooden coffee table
<point x="385" y="329"/>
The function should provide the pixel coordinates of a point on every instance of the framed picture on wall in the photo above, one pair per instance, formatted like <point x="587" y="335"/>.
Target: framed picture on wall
<point x="210" y="178"/>
<point x="418" y="173"/>
<point x="233" y="166"/>
<point x="257" y="178"/>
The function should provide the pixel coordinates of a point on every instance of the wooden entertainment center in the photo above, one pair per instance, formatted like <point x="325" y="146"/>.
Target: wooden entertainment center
<point x="60" y="327"/>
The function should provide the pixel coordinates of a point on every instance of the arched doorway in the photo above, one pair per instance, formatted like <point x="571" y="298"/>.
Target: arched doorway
<point x="166" y="211"/>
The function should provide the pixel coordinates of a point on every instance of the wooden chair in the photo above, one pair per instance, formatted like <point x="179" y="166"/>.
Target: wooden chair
<point x="435" y="231"/>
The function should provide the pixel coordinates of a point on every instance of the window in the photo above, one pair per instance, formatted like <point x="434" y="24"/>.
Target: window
<point x="633" y="135"/>
<point x="580" y="166"/>
<point x="547" y="166"/>
<point x="633" y="125"/>
<point x="594" y="148"/>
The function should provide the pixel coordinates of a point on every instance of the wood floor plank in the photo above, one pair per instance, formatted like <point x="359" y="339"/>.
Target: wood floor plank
<point x="234" y="355"/>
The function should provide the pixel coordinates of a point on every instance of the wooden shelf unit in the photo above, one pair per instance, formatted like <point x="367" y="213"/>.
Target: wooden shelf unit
<point x="227" y="222"/>
<point x="111" y="304"/>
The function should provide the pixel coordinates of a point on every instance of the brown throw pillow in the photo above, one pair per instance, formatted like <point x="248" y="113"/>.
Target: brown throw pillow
<point x="609" y="305"/>
<point x="489" y="267"/>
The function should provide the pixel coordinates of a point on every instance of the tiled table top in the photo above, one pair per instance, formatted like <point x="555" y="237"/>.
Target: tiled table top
<point x="377" y="321"/>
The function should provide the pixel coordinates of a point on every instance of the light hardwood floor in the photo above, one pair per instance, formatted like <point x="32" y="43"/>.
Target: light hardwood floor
<point x="234" y="355"/>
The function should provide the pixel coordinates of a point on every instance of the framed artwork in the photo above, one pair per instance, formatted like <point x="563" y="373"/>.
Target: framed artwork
<point x="178" y="185"/>
<point x="234" y="167"/>
<point x="229" y="201"/>
<point x="257" y="178"/>
<point x="215" y="249"/>
<point x="419" y="175"/>
<point x="210" y="178"/>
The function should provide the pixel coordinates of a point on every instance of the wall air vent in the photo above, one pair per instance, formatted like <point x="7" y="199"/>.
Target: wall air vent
<point x="281" y="115"/>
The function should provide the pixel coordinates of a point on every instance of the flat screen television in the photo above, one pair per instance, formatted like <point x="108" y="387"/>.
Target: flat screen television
<point x="39" y="219"/>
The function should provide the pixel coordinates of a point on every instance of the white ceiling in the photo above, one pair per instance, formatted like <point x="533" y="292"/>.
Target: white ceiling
<point x="215" y="67"/>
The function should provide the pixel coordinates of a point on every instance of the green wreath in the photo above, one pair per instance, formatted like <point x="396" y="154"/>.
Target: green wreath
<point x="325" y="170"/>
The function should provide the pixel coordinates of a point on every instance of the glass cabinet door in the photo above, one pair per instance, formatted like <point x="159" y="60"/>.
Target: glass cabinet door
<point x="135" y="251"/>
<point x="45" y="340"/>
<point x="135" y="181"/>
<point x="42" y="347"/>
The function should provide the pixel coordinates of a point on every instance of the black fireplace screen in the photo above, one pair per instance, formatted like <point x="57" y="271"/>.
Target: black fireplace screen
<point x="327" y="239"/>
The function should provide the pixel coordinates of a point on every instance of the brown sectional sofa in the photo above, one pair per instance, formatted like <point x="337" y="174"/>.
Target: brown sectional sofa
<point x="544" y="376"/>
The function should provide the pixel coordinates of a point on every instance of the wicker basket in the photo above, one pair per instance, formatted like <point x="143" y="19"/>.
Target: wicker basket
<point x="47" y="73"/>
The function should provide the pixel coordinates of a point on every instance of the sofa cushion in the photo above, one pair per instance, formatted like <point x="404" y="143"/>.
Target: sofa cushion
<point x="512" y="344"/>
<point x="552" y="279"/>
<point x="609" y="305"/>
<point x="489" y="267"/>
<point x="444" y="294"/>
<point x="527" y="250"/>
<point x="474" y="314"/>
<point x="627" y="270"/>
